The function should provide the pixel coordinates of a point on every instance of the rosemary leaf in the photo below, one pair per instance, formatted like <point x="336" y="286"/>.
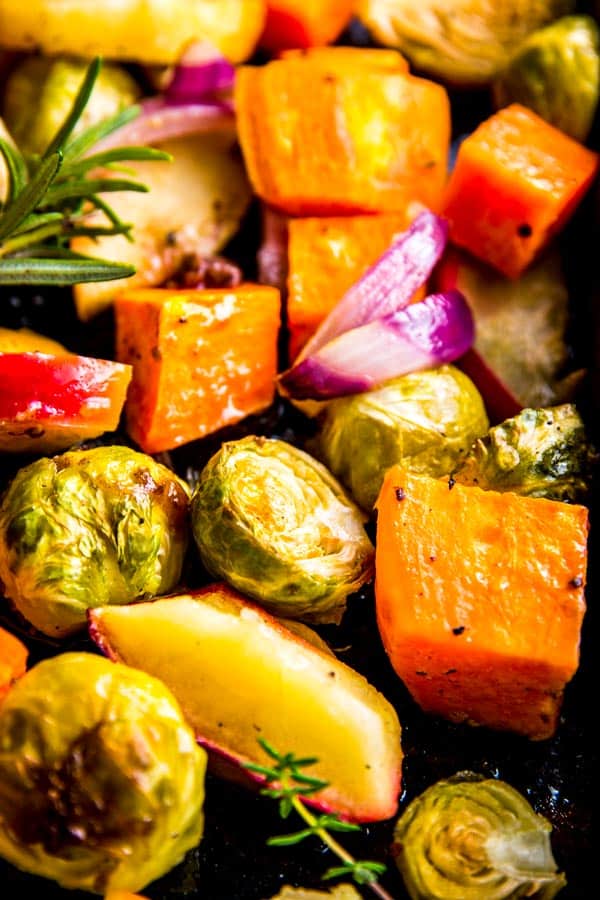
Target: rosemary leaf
<point x="17" y="170"/>
<point x="31" y="195"/>
<point x="117" y="154"/>
<point x="79" y="104"/>
<point x="36" y="220"/>
<point x="60" y="271"/>
<point x="60" y="193"/>
<point x="93" y="135"/>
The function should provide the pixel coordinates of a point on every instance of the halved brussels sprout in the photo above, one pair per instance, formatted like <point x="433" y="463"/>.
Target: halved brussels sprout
<point x="101" y="779"/>
<point x="556" y="73"/>
<point x="89" y="528"/>
<point x="426" y="420"/>
<point x="460" y="41"/>
<point x="538" y="453"/>
<point x="40" y="91"/>
<point x="473" y="838"/>
<point x="275" y="524"/>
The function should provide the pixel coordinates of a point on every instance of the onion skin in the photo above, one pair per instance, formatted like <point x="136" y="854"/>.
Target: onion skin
<point x="436" y="330"/>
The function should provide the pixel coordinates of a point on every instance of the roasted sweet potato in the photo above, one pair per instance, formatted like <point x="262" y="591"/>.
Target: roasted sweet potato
<point x="326" y="256"/>
<point x="480" y="599"/>
<point x="13" y="660"/>
<point x="320" y="138"/>
<point x="516" y="182"/>
<point x="201" y="359"/>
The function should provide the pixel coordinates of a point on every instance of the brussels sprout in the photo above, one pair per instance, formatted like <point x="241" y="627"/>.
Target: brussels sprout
<point x="275" y="524"/>
<point x="472" y="838"/>
<point x="556" y="73"/>
<point x="460" y="41"/>
<point x="40" y="91"/>
<point x="425" y="420"/>
<point x="89" y="528"/>
<point x="538" y="453"/>
<point x="101" y="779"/>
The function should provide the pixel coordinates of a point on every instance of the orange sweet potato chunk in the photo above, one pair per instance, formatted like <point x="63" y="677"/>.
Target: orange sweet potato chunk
<point x="480" y="599"/>
<point x="326" y="256"/>
<point x="327" y="139"/>
<point x="13" y="660"/>
<point x="516" y="182"/>
<point x="201" y="359"/>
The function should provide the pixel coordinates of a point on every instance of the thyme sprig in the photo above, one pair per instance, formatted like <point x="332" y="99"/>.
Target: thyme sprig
<point x="286" y="783"/>
<point x="56" y="196"/>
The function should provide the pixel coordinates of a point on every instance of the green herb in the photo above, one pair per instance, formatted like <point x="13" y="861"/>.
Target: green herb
<point x="288" y="784"/>
<point x="51" y="199"/>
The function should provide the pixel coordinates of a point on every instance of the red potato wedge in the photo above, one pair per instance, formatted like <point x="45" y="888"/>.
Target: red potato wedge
<point x="480" y="599"/>
<point x="49" y="403"/>
<point x="239" y="674"/>
<point x="520" y="347"/>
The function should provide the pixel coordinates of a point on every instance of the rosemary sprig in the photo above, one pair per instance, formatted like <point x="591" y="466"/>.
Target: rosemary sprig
<point x="287" y="784"/>
<point x="55" y="197"/>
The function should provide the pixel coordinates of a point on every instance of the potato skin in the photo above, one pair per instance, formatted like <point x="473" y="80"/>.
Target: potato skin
<point x="147" y="31"/>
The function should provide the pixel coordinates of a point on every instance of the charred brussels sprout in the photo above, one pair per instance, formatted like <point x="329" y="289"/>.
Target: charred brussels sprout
<point x="538" y="453"/>
<point x="472" y="838"/>
<point x="89" y="528"/>
<point x="460" y="41"/>
<point x="556" y="72"/>
<point x="101" y="779"/>
<point x="40" y="92"/>
<point x="275" y="524"/>
<point x="426" y="420"/>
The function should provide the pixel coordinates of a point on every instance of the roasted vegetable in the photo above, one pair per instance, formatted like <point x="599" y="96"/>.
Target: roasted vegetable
<point x="201" y="359"/>
<point x="480" y="599"/>
<point x="516" y="182"/>
<point x="240" y="675"/>
<point x="193" y="206"/>
<point x="274" y="523"/>
<point x="148" y="31"/>
<point x="539" y="453"/>
<point x="426" y="420"/>
<point x="377" y="138"/>
<point x="475" y="838"/>
<point x="23" y="340"/>
<point x="13" y="660"/>
<point x="101" y="780"/>
<point x="556" y="72"/>
<point x="520" y="357"/>
<point x="304" y="23"/>
<point x="460" y="41"/>
<point x="326" y="257"/>
<point x="49" y="403"/>
<point x="40" y="92"/>
<point x="88" y="528"/>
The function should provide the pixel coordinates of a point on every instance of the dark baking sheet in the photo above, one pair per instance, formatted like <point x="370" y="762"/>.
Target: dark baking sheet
<point x="558" y="776"/>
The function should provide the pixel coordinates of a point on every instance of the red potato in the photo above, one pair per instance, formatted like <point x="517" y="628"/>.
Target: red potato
<point x="239" y="674"/>
<point x="49" y="403"/>
<point x="520" y="349"/>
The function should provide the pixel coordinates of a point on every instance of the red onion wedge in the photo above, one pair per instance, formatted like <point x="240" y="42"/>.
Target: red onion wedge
<point x="161" y="121"/>
<point x="199" y="80"/>
<point x="389" y="284"/>
<point x="433" y="331"/>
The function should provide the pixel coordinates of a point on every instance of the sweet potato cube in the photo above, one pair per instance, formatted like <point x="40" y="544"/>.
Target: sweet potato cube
<point x="201" y="359"/>
<point x="326" y="256"/>
<point x="480" y="599"/>
<point x="13" y="660"/>
<point x="324" y="138"/>
<point x="516" y="182"/>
